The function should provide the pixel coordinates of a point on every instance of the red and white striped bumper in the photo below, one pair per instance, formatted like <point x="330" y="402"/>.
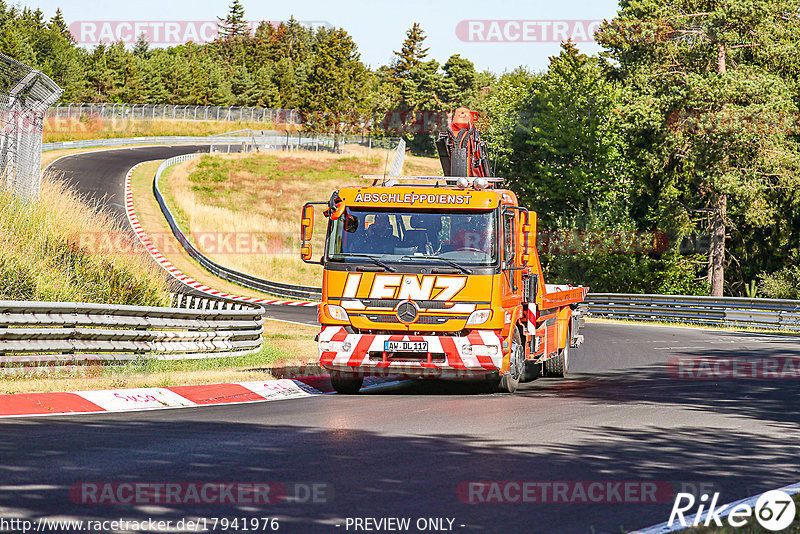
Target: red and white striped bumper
<point x="479" y="353"/>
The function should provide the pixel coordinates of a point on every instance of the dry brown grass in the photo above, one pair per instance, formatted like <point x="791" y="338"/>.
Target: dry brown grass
<point x="74" y="130"/>
<point x="154" y="225"/>
<point x="261" y="195"/>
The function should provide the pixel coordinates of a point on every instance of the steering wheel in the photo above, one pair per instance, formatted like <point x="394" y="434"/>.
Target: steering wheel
<point x="469" y="249"/>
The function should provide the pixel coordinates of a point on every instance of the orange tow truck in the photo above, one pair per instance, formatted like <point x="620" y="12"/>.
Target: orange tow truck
<point x="438" y="277"/>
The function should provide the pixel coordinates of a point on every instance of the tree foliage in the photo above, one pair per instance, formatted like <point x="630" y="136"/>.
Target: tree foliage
<point x="706" y="85"/>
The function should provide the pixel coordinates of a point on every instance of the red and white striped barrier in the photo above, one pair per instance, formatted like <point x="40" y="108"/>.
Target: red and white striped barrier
<point x="136" y="399"/>
<point x="174" y="271"/>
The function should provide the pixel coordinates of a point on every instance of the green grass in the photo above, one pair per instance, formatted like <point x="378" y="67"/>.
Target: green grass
<point x="165" y="186"/>
<point x="236" y="183"/>
<point x="265" y="356"/>
<point x="679" y="324"/>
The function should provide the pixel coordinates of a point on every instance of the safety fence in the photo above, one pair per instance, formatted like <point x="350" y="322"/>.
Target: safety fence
<point x="25" y="95"/>
<point x="143" y="112"/>
<point x="244" y="141"/>
<point x="286" y="140"/>
<point x="36" y="334"/>
<point x="719" y="311"/>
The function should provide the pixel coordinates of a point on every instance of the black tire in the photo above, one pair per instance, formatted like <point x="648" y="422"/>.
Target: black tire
<point x="346" y="384"/>
<point x="532" y="370"/>
<point x="509" y="382"/>
<point x="558" y="367"/>
<point x="458" y="162"/>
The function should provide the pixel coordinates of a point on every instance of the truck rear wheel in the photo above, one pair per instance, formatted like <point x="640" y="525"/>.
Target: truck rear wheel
<point x="559" y="366"/>
<point x="346" y="383"/>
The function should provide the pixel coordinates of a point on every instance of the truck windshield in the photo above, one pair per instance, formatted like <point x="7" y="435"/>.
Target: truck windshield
<point x="464" y="237"/>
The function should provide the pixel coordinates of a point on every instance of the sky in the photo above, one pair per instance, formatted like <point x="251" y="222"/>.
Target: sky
<point x="497" y="35"/>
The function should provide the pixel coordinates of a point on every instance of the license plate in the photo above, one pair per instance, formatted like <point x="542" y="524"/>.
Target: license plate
<point x="405" y="346"/>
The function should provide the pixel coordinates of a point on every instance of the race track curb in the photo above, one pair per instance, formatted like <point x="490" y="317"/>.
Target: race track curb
<point x="140" y="399"/>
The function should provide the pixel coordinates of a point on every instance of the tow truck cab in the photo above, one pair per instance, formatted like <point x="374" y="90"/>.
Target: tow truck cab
<point x="438" y="277"/>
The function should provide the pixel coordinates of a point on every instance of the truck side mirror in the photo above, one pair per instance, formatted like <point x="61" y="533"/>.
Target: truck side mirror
<point x="529" y="235"/>
<point x="306" y="231"/>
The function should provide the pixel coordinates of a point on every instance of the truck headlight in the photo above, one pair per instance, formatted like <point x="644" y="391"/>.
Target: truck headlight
<point x="479" y="317"/>
<point x="338" y="313"/>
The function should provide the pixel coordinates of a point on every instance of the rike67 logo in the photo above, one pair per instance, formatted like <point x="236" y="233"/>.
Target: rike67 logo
<point x="774" y="510"/>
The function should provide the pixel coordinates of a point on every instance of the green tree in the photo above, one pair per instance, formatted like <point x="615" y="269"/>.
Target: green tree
<point x="412" y="53"/>
<point x="234" y="25"/>
<point x="706" y="83"/>
<point x="333" y="92"/>
<point x="243" y="88"/>
<point x="459" y="82"/>
<point x="233" y="40"/>
<point x="142" y="47"/>
<point x="563" y="148"/>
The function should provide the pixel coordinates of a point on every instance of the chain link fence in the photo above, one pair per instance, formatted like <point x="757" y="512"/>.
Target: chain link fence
<point x="284" y="140"/>
<point x="25" y="95"/>
<point x="144" y="112"/>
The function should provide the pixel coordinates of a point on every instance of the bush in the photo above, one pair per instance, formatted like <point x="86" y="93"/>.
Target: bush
<point x="783" y="284"/>
<point x="671" y="274"/>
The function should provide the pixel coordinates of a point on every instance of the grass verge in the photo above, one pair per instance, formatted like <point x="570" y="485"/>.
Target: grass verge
<point x="282" y="347"/>
<point x="746" y="329"/>
<point x="155" y="225"/>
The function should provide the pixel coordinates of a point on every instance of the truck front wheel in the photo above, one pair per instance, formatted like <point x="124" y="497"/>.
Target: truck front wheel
<point x="346" y="383"/>
<point x="509" y="382"/>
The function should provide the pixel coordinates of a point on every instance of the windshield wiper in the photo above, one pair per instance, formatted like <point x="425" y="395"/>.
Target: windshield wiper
<point x="375" y="260"/>
<point x="429" y="257"/>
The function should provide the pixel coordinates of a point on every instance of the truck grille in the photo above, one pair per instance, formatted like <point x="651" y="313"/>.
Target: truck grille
<point x="393" y="303"/>
<point x="423" y="319"/>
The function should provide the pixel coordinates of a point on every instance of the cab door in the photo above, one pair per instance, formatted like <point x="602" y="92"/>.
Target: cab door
<point x="511" y="272"/>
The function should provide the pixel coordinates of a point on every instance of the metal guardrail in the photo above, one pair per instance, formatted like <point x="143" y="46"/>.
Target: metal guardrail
<point x="721" y="311"/>
<point x="35" y="333"/>
<point x="279" y="289"/>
